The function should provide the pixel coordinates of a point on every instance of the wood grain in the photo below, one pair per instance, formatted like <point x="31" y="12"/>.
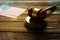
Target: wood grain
<point x="6" y="24"/>
<point x="15" y="30"/>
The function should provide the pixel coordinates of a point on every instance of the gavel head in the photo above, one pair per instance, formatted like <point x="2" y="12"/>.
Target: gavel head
<point x="41" y="13"/>
<point x="37" y="13"/>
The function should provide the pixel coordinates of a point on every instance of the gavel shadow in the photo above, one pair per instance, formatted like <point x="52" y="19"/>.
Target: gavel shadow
<point x="39" y="36"/>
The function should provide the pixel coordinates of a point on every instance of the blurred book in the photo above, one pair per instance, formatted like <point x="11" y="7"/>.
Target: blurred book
<point x="10" y="13"/>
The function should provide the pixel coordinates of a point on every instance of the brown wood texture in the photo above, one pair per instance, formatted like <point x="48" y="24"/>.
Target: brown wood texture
<point x="6" y="24"/>
<point x="15" y="30"/>
<point x="28" y="36"/>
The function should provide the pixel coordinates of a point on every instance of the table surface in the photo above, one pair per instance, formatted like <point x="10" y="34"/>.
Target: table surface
<point x="15" y="30"/>
<point x="28" y="36"/>
<point x="7" y="24"/>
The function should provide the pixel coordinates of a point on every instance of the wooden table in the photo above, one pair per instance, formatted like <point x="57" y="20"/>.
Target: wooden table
<point x="10" y="25"/>
<point x="15" y="30"/>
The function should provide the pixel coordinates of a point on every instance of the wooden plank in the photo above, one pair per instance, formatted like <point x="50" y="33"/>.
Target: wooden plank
<point x="19" y="26"/>
<point x="28" y="36"/>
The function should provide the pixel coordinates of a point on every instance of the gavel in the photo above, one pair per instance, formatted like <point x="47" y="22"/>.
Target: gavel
<point x="36" y="20"/>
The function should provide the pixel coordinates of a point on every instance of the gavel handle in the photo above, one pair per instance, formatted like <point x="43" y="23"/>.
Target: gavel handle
<point x="52" y="8"/>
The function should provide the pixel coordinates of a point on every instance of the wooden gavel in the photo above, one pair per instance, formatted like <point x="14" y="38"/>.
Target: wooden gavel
<point x="40" y="13"/>
<point x="36" y="18"/>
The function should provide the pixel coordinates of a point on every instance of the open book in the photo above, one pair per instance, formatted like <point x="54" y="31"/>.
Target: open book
<point x="11" y="12"/>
